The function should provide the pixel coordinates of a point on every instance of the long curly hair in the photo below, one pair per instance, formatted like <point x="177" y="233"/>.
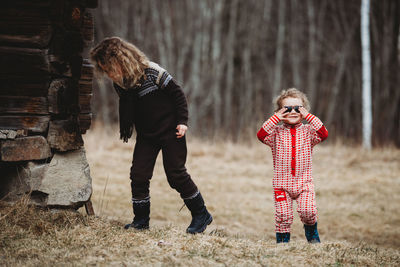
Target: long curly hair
<point x="291" y="92"/>
<point x="115" y="51"/>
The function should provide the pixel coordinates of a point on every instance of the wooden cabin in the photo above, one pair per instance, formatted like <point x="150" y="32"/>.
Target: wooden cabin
<point x="45" y="93"/>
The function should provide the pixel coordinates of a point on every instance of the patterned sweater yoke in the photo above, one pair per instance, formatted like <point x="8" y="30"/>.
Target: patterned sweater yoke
<point x="157" y="78"/>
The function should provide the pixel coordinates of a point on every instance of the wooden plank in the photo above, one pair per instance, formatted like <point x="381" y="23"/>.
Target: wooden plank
<point x="87" y="71"/>
<point x="84" y="103"/>
<point x="27" y="26"/>
<point x="64" y="96"/>
<point x="24" y="85"/>
<point x="23" y="61"/>
<point x="25" y="148"/>
<point x="23" y="104"/>
<point x="64" y="135"/>
<point x="36" y="124"/>
<point x="85" y="87"/>
<point x="89" y="208"/>
<point x="85" y="120"/>
<point x="88" y="28"/>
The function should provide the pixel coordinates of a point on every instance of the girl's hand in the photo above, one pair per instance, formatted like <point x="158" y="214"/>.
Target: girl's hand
<point x="303" y="112"/>
<point x="281" y="113"/>
<point x="181" y="130"/>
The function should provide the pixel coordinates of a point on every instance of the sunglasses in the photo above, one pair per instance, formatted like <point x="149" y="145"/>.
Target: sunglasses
<point x="289" y="108"/>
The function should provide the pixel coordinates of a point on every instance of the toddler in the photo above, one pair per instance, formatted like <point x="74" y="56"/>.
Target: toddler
<point x="292" y="143"/>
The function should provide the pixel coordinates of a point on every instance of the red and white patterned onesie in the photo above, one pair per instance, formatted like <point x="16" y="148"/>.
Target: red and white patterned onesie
<point x="292" y="147"/>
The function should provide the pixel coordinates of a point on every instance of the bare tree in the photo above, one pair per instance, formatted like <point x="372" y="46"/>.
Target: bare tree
<point x="366" y="75"/>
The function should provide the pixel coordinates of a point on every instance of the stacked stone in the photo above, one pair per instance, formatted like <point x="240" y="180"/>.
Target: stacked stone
<point x="45" y="93"/>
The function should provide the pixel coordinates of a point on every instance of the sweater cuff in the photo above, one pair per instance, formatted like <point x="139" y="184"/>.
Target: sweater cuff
<point x="314" y="121"/>
<point x="270" y="123"/>
<point x="275" y="119"/>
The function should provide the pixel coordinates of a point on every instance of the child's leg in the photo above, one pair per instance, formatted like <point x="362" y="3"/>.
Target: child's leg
<point x="306" y="206"/>
<point x="307" y="209"/>
<point x="174" y="153"/>
<point x="144" y="159"/>
<point x="283" y="211"/>
<point x="174" y="158"/>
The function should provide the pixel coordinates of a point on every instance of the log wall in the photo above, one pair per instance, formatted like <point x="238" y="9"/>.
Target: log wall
<point x="45" y="79"/>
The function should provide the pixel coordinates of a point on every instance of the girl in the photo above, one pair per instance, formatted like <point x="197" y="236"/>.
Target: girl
<point x="292" y="143"/>
<point x="153" y="103"/>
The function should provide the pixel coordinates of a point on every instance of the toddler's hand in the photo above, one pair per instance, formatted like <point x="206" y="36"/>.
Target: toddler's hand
<point x="281" y="113"/>
<point x="181" y="130"/>
<point x="303" y="112"/>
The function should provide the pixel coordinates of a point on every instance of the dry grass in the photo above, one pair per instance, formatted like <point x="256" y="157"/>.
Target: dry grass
<point x="357" y="200"/>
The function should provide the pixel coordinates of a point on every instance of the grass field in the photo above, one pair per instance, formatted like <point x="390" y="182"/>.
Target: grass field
<point x="357" y="200"/>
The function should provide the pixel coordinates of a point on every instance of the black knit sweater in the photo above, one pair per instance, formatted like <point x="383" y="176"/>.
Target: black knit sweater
<point x="154" y="108"/>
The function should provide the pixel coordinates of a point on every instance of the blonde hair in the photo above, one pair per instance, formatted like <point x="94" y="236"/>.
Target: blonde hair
<point x="291" y="92"/>
<point x="115" y="51"/>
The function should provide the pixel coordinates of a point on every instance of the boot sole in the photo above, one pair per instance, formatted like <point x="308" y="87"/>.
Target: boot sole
<point x="208" y="222"/>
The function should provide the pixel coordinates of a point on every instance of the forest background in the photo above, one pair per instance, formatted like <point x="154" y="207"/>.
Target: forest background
<point x="233" y="57"/>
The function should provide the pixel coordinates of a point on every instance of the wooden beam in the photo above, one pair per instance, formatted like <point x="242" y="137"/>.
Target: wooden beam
<point x="85" y="120"/>
<point x="36" y="124"/>
<point x="84" y="103"/>
<point x="64" y="135"/>
<point x="87" y="70"/>
<point x="24" y="85"/>
<point x="88" y="28"/>
<point x="85" y="87"/>
<point x="64" y="96"/>
<point x="25" y="148"/>
<point x="89" y="208"/>
<point x="23" y="61"/>
<point x="23" y="104"/>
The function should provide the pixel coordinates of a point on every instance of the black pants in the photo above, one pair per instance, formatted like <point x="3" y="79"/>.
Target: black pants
<point x="174" y="153"/>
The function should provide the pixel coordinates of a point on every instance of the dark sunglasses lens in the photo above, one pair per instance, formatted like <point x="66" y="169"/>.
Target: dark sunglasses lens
<point x="288" y="109"/>
<point x="296" y="108"/>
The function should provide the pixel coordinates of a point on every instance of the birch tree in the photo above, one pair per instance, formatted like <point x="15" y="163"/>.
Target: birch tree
<point x="366" y="75"/>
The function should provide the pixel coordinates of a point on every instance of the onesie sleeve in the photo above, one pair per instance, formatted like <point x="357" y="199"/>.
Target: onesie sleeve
<point x="267" y="132"/>
<point x="318" y="131"/>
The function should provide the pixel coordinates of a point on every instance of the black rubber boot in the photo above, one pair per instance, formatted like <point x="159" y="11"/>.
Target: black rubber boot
<point x="311" y="232"/>
<point x="200" y="216"/>
<point x="282" y="237"/>
<point x="142" y="216"/>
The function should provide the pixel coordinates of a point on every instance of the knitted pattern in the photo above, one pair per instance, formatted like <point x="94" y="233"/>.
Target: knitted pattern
<point x="292" y="147"/>
<point x="157" y="78"/>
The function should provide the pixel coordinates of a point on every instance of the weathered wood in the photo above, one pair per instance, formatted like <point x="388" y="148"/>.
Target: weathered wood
<point x="64" y="135"/>
<point x="25" y="148"/>
<point x="85" y="120"/>
<point x="36" y="124"/>
<point x="24" y="85"/>
<point x="89" y="208"/>
<point x="87" y="70"/>
<point x="56" y="89"/>
<point x="27" y="26"/>
<point x="63" y="96"/>
<point x="67" y="65"/>
<point x="88" y="28"/>
<point x="85" y="87"/>
<point x="23" y="61"/>
<point x="23" y="104"/>
<point x="84" y="103"/>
